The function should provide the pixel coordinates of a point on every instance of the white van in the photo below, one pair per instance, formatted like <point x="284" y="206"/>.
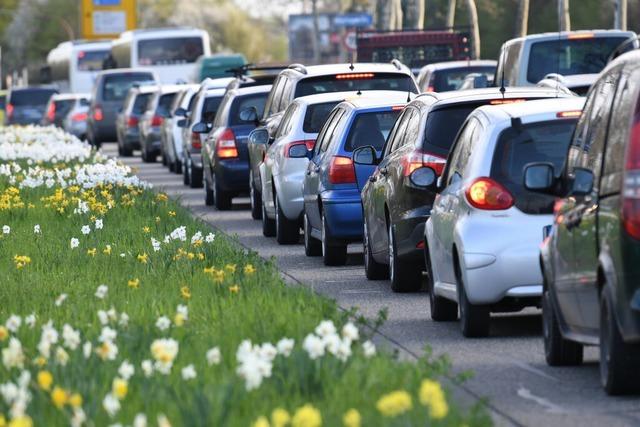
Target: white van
<point x="170" y="52"/>
<point x="75" y="64"/>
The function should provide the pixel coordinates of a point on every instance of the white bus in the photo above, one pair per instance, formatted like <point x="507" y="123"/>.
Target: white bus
<point x="75" y="64"/>
<point x="170" y="52"/>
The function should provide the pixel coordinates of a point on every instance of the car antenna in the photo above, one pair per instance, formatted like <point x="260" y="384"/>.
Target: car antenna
<point x="502" y="88"/>
<point x="351" y="67"/>
<point x="359" y="92"/>
<point x="558" y="69"/>
<point x="408" y="96"/>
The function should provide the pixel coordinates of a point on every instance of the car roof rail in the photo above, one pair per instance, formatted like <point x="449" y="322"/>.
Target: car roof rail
<point x="633" y="40"/>
<point x="396" y="63"/>
<point x="241" y="71"/>
<point x="299" y="68"/>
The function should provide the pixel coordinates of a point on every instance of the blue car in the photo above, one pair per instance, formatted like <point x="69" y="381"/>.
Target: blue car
<point x="332" y="204"/>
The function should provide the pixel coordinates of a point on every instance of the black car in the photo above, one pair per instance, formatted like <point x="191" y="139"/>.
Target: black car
<point x="395" y="205"/>
<point x="591" y="259"/>
<point x="128" y="119"/>
<point x="297" y="81"/>
<point x="58" y="108"/>
<point x="27" y="105"/>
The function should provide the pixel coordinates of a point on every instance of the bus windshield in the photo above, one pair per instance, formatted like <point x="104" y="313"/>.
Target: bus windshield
<point x="92" y="60"/>
<point x="170" y="51"/>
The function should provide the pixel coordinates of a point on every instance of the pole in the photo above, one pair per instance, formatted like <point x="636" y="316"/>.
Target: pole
<point x="620" y="15"/>
<point x="564" y="19"/>
<point x="316" y="32"/>
<point x="451" y="14"/>
<point x="475" y="28"/>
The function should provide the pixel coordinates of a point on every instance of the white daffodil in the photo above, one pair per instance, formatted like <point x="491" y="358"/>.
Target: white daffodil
<point x="285" y="346"/>
<point x="101" y="291"/>
<point x="13" y="323"/>
<point x="126" y="370"/>
<point x="369" y="349"/>
<point x="98" y="224"/>
<point x="74" y="243"/>
<point x="188" y="373"/>
<point x="163" y="323"/>
<point x="85" y="229"/>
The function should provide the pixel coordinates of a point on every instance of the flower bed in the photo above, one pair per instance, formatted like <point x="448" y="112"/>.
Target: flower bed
<point x="119" y="308"/>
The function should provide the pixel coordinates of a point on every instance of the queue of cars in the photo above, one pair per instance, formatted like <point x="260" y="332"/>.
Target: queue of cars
<point x="496" y="198"/>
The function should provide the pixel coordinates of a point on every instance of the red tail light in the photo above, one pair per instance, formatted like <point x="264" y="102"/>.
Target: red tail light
<point x="430" y="89"/>
<point x="132" y="121"/>
<point x="79" y="117"/>
<point x="341" y="170"/>
<point x="157" y="121"/>
<point x="354" y="76"/>
<point x="10" y="110"/>
<point x="195" y="140"/>
<point x="97" y="114"/>
<point x="485" y="193"/>
<point x="417" y="159"/>
<point x="631" y="186"/>
<point x="51" y="112"/>
<point x="226" y="147"/>
<point x="309" y="143"/>
<point x="506" y="101"/>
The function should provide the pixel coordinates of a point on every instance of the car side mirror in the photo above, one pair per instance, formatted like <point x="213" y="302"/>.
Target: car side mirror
<point x="249" y="115"/>
<point x="180" y="112"/>
<point x="539" y="177"/>
<point x="298" y="151"/>
<point x="582" y="184"/>
<point x="200" y="127"/>
<point x="259" y="136"/>
<point x="424" y="177"/>
<point x="182" y="123"/>
<point x="365" y="156"/>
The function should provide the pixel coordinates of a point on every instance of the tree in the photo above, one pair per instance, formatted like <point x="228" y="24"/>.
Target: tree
<point x="389" y="14"/>
<point x="522" y="18"/>
<point x="564" y="19"/>
<point x="620" y="13"/>
<point x="475" y="28"/>
<point x="451" y="14"/>
<point x="413" y="12"/>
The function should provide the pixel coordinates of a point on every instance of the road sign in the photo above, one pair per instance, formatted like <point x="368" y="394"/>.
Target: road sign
<point x="353" y="20"/>
<point x="107" y="18"/>
<point x="349" y="41"/>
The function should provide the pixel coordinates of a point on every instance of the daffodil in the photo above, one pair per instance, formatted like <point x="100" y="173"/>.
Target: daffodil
<point x="234" y="289"/>
<point x="352" y="418"/>
<point x="75" y="400"/>
<point x="92" y="251"/>
<point x="134" y="283"/>
<point x="172" y="213"/>
<point x="45" y="380"/>
<point x="432" y="396"/>
<point x="120" y="388"/>
<point x="107" y="250"/>
<point x="185" y="292"/>
<point x="306" y="416"/>
<point x="231" y="268"/>
<point x="261" y="422"/>
<point x="4" y="333"/>
<point x="280" y="417"/>
<point x="59" y="397"/>
<point x="143" y="258"/>
<point x="249" y="269"/>
<point x="20" y="421"/>
<point x="146" y="229"/>
<point x="394" y="403"/>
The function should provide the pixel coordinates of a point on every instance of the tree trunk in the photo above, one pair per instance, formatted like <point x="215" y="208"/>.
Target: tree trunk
<point x="316" y="32"/>
<point x="564" y="19"/>
<point x="414" y="14"/>
<point x="451" y="14"/>
<point x="475" y="29"/>
<point x="522" y="18"/>
<point x="620" y="15"/>
<point x="396" y="15"/>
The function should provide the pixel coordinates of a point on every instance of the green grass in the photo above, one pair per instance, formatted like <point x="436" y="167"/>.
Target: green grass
<point x="263" y="310"/>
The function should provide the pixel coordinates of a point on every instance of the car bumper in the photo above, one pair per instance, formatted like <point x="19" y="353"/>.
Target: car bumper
<point x="103" y="132"/>
<point x="410" y="234"/>
<point x="232" y="175"/>
<point x="343" y="213"/>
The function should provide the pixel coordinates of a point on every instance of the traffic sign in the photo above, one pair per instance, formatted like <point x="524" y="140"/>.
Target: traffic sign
<point x="350" y="41"/>
<point x="107" y="18"/>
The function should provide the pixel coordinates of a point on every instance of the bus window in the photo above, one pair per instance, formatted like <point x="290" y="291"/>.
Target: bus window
<point x="92" y="60"/>
<point x="181" y="50"/>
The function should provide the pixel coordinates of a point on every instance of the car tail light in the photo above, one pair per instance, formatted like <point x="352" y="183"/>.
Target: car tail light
<point x="10" y="110"/>
<point x="581" y="36"/>
<point x="354" y="76"/>
<point x="196" y="142"/>
<point x="569" y="114"/>
<point x="157" y="121"/>
<point x="430" y="89"/>
<point x="418" y="159"/>
<point x="341" y="170"/>
<point x="308" y="142"/>
<point x="97" y="114"/>
<point x="506" y="101"/>
<point x="485" y="193"/>
<point x="79" y="117"/>
<point x="51" y="112"/>
<point x="631" y="186"/>
<point x="132" y="121"/>
<point x="226" y="146"/>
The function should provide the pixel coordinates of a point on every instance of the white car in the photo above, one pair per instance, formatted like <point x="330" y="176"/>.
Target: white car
<point x="172" y="132"/>
<point x="283" y="168"/>
<point x="485" y="230"/>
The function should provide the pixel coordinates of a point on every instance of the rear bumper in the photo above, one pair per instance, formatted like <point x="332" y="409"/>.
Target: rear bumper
<point x="232" y="175"/>
<point x="343" y="213"/>
<point x="102" y="131"/>
<point x="410" y="234"/>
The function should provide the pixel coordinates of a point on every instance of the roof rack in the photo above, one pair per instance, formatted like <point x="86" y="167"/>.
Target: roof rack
<point x="299" y="68"/>
<point x="396" y="63"/>
<point x="242" y="70"/>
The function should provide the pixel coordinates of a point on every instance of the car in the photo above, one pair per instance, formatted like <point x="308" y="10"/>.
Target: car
<point x="150" y="124"/>
<point x="216" y="66"/>
<point x="59" y="106"/>
<point x="578" y="84"/>
<point x="171" y="135"/>
<point x="446" y="76"/>
<point x="485" y="228"/>
<point x="286" y="161"/>
<point x="589" y="262"/>
<point x="75" y="122"/>
<point x="395" y="205"/>
<point x="332" y="206"/>
<point x="298" y="80"/>
<point x="27" y="105"/>
<point x="203" y="108"/>
<point x="109" y="91"/>
<point x="225" y="161"/>
<point x="524" y="61"/>
<point x="3" y="104"/>
<point x="128" y="118"/>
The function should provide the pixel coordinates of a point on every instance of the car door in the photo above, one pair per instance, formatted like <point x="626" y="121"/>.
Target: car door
<point x="585" y="234"/>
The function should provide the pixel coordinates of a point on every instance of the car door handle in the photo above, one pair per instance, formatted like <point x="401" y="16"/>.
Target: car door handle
<point x="384" y="171"/>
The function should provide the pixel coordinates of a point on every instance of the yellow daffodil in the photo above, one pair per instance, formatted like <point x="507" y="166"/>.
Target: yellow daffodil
<point x="261" y="422"/>
<point x="162" y="197"/>
<point x="231" y="268"/>
<point x="218" y="276"/>
<point x="249" y="269"/>
<point x="197" y="243"/>
<point x="185" y="292"/>
<point x="21" y="261"/>
<point x="4" y="333"/>
<point x="234" y="289"/>
<point x="306" y="416"/>
<point x="40" y="361"/>
<point x="432" y="396"/>
<point x="3" y="421"/>
<point x="45" y="380"/>
<point x="280" y="417"/>
<point x="157" y="219"/>
<point x="75" y="400"/>
<point x="352" y="418"/>
<point x="200" y="256"/>
<point x="172" y="213"/>
<point x="107" y="250"/>
<point x="92" y="251"/>
<point x="146" y="229"/>
<point x="143" y="258"/>
<point x="394" y="403"/>
<point x="21" y="421"/>
<point x="178" y="319"/>
<point x="59" y="397"/>
<point x="134" y="283"/>
<point x="120" y="388"/>
<point x="191" y="255"/>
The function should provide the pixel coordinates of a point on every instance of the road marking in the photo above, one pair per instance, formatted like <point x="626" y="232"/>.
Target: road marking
<point x="360" y="291"/>
<point x="533" y="370"/>
<point x="549" y="407"/>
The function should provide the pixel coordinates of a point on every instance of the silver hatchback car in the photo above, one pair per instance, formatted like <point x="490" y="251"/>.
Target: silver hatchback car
<point x="483" y="236"/>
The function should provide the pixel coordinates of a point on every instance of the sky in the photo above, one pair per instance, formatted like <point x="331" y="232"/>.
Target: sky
<point x="265" y="8"/>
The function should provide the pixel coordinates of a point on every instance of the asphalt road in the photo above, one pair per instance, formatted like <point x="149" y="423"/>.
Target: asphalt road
<point x="509" y="366"/>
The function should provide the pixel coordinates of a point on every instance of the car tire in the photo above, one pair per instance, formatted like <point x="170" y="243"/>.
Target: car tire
<point x="172" y="166"/>
<point x="256" y="199"/>
<point x="126" y="151"/>
<point x="474" y="319"/>
<point x="268" y="224"/>
<point x="312" y="246"/>
<point x="442" y="309"/>
<point x="164" y="158"/>
<point x="195" y="177"/>
<point x="333" y="253"/>
<point x="558" y="351"/>
<point x="619" y="361"/>
<point x="222" y="199"/>
<point x="185" y="173"/>
<point x="287" y="231"/>
<point x="148" y="156"/>
<point x="208" y="193"/>
<point x="404" y="277"/>
<point x="177" y="167"/>
<point x="372" y="268"/>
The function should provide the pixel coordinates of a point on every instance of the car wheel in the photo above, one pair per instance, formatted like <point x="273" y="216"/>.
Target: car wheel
<point x="177" y="167"/>
<point x="172" y="166"/>
<point x="208" y="192"/>
<point x="558" y="351"/>
<point x="287" y="231"/>
<point x="222" y="199"/>
<point x="442" y="309"/>
<point x="268" y="224"/>
<point x="195" y="177"/>
<point x="474" y="319"/>
<point x="619" y="361"/>
<point x="126" y="151"/>
<point x="147" y="155"/>
<point x="333" y="253"/>
<point x="312" y="246"/>
<point x="256" y="199"/>
<point x="404" y="277"/>
<point x="372" y="268"/>
<point x="185" y="172"/>
<point x="164" y="158"/>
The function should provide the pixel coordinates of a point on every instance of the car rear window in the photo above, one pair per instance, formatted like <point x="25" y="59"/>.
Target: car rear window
<point x="116" y="86"/>
<point x="360" y="81"/>
<point x="370" y="129"/>
<point x="316" y="115"/>
<point x="452" y="79"/>
<point x="31" y="97"/>
<point x="210" y="108"/>
<point x="164" y="104"/>
<point x="534" y="142"/>
<point x="241" y="102"/>
<point x="63" y="107"/>
<point x="140" y="103"/>
<point x="443" y="125"/>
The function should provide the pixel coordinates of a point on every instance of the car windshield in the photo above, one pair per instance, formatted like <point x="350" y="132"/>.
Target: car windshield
<point x="164" y="104"/>
<point x="316" y="115"/>
<point x="140" y="103"/>
<point x="242" y="102"/>
<point x="452" y="79"/>
<point x="570" y="56"/>
<point x="210" y="108"/>
<point x="370" y="129"/>
<point x="170" y="51"/>
<point x="361" y="81"/>
<point x="443" y="125"/>
<point x="117" y="86"/>
<point x="92" y="60"/>
<point x="534" y="142"/>
<point x="31" y="97"/>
